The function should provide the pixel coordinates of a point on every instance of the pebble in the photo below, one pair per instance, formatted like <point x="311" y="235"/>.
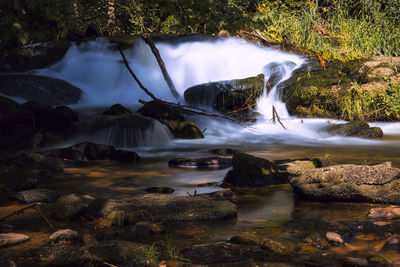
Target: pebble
<point x="334" y="237"/>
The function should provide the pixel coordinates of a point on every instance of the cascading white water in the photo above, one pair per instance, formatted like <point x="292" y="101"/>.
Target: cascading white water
<point x="97" y="68"/>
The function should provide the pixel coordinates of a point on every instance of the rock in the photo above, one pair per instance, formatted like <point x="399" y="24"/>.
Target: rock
<point x="390" y="213"/>
<point x="44" y="90"/>
<point x="119" y="253"/>
<point x="354" y="262"/>
<point x="393" y="241"/>
<point x="354" y="128"/>
<point x="93" y="30"/>
<point x="69" y="112"/>
<point x="35" y="56"/>
<point x="212" y="163"/>
<point x="15" y="124"/>
<point x="317" y="241"/>
<point x="295" y="167"/>
<point x="179" y="126"/>
<point x="252" y="171"/>
<point x="37" y="195"/>
<point x="69" y="207"/>
<point x="223" y="151"/>
<point x="91" y="151"/>
<point x="240" y="240"/>
<point x="143" y="229"/>
<point x="314" y="92"/>
<point x="221" y="194"/>
<point x="226" y="95"/>
<point x="34" y="161"/>
<point x="334" y="238"/>
<point x="117" y="110"/>
<point x="348" y="182"/>
<point x="64" y="235"/>
<point x="160" y="190"/>
<point x="47" y="118"/>
<point x="161" y="207"/>
<point x="214" y="253"/>
<point x="277" y="247"/>
<point x="11" y="239"/>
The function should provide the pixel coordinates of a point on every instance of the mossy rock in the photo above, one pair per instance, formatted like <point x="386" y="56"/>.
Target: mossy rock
<point x="179" y="126"/>
<point x="227" y="96"/>
<point x="117" y="109"/>
<point x="351" y="90"/>
<point x="354" y="128"/>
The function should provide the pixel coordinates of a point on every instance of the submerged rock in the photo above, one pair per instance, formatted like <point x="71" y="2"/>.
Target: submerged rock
<point x="117" y="253"/>
<point x="11" y="239"/>
<point x="348" y="182"/>
<point x="389" y="213"/>
<point x="214" y="254"/>
<point x="38" y="195"/>
<point x="161" y="207"/>
<point x="179" y="126"/>
<point x="354" y="128"/>
<point x="44" y="90"/>
<point x="91" y="151"/>
<point x="212" y="162"/>
<point x="143" y="229"/>
<point x="160" y="190"/>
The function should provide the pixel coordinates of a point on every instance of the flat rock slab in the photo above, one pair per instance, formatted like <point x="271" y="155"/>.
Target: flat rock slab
<point x="11" y="239"/>
<point x="45" y="90"/>
<point x="161" y="207"/>
<point x="64" y="235"/>
<point x="37" y="195"/>
<point x="211" y="163"/>
<point x="348" y="182"/>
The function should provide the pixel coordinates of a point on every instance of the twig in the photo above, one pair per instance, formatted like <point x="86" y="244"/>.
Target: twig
<point x="275" y="115"/>
<point x="34" y="206"/>
<point x="147" y="38"/>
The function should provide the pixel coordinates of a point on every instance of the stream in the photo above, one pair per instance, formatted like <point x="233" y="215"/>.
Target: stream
<point x="271" y="211"/>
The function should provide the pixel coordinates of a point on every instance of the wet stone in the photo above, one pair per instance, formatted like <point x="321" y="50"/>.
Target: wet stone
<point x="334" y="237"/>
<point x="354" y="262"/>
<point x="11" y="239"/>
<point x="64" y="235"/>
<point x="37" y="195"/>
<point x="317" y="241"/>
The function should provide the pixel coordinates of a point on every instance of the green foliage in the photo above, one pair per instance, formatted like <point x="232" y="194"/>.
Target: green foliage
<point x="361" y="104"/>
<point x="164" y="250"/>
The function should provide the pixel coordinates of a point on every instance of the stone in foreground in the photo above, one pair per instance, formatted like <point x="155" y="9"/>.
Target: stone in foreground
<point x="11" y="239"/>
<point x="38" y="195"/>
<point x="161" y="207"/>
<point x="348" y="182"/>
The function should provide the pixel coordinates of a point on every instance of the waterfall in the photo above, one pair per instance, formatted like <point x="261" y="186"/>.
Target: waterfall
<point x="97" y="68"/>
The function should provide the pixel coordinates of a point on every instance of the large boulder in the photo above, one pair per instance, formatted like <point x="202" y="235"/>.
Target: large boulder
<point x="348" y="182"/>
<point x="45" y="90"/>
<point x="161" y="207"/>
<point x="69" y="207"/>
<point x="354" y="128"/>
<point x="179" y="126"/>
<point x="15" y="124"/>
<point x="34" y="56"/>
<point x="249" y="170"/>
<point x="47" y="118"/>
<point x="117" y="109"/>
<point x="354" y="90"/>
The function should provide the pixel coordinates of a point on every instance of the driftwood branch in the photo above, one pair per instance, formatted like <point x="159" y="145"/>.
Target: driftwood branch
<point x="275" y="117"/>
<point x="147" y="38"/>
<point x="34" y="206"/>
<point x="135" y="77"/>
<point x="181" y="108"/>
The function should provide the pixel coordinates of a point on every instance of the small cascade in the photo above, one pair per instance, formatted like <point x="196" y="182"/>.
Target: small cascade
<point x="126" y="137"/>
